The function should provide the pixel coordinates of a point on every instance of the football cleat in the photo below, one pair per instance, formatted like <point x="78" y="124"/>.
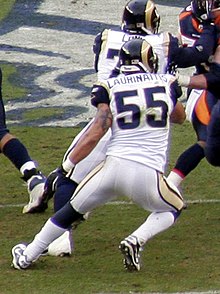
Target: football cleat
<point x="37" y="201"/>
<point x="130" y="249"/>
<point x="62" y="246"/>
<point x="19" y="259"/>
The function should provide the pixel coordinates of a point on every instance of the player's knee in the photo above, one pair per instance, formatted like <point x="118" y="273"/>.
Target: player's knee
<point x="212" y="154"/>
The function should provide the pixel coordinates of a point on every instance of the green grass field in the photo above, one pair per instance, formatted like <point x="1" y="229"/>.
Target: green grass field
<point x="184" y="259"/>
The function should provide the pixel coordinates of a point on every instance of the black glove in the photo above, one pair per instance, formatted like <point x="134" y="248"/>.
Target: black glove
<point x="51" y="184"/>
<point x="172" y="68"/>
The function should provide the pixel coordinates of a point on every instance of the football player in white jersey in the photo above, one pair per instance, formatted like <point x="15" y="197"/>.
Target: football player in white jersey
<point x="140" y="19"/>
<point x="137" y="106"/>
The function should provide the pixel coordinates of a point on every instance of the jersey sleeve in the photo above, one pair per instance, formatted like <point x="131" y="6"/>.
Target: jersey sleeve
<point x="213" y="78"/>
<point x="96" y="49"/>
<point x="97" y="46"/>
<point x="190" y="28"/>
<point x="201" y="51"/>
<point x="99" y="94"/>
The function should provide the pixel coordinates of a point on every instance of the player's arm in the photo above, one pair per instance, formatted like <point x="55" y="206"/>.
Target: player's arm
<point x="201" y="51"/>
<point x="100" y="125"/>
<point x="208" y="80"/>
<point x="178" y="114"/>
<point x="91" y="137"/>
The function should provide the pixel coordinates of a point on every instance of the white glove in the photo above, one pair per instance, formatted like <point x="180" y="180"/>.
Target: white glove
<point x="183" y="80"/>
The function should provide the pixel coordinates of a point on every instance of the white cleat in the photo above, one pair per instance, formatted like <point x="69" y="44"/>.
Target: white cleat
<point x="19" y="258"/>
<point x="36" y="192"/>
<point x="62" y="246"/>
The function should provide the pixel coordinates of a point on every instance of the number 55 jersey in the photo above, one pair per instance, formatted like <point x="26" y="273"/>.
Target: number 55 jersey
<point x="141" y="105"/>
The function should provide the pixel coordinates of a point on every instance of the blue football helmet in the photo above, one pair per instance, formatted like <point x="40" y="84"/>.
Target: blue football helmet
<point x="140" y="16"/>
<point x="137" y="55"/>
<point x="201" y="8"/>
<point x="216" y="4"/>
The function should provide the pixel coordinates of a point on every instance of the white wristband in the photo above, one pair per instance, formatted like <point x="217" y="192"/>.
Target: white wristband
<point x="183" y="81"/>
<point x="68" y="165"/>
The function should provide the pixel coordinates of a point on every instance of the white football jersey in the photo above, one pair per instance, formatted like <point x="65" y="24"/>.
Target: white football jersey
<point x="111" y="42"/>
<point x="141" y="105"/>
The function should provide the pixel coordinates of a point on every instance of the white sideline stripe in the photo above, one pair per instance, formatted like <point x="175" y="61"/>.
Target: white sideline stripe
<point x="129" y="203"/>
<point x="187" y="201"/>
<point x="208" y="292"/>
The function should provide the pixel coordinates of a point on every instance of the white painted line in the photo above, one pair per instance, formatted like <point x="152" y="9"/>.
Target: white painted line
<point x="208" y="292"/>
<point x="187" y="201"/>
<point x="198" y="201"/>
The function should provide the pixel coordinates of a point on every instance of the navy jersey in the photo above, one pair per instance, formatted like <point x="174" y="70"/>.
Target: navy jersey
<point x="213" y="78"/>
<point x="198" y="40"/>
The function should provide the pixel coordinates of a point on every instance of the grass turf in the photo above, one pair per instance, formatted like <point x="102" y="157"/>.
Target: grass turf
<point x="185" y="258"/>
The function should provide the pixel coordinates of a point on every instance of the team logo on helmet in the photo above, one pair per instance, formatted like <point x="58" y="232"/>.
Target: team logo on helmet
<point x="141" y="16"/>
<point x="137" y="55"/>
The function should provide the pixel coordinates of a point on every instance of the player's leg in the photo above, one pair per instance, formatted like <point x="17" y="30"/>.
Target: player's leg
<point x="18" y="154"/>
<point x="90" y="195"/>
<point x="212" y="149"/>
<point x="199" y="115"/>
<point x="63" y="187"/>
<point x="165" y="202"/>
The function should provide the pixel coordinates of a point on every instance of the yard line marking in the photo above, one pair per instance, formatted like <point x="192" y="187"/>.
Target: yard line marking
<point x="208" y="292"/>
<point x="198" y="201"/>
<point x="187" y="201"/>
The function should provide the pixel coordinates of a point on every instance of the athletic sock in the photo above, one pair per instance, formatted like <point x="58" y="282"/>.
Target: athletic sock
<point x="16" y="152"/>
<point x="156" y="223"/>
<point x="186" y="162"/>
<point x="48" y="234"/>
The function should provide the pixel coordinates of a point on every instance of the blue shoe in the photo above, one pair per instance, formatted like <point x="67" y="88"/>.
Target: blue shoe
<point x="19" y="259"/>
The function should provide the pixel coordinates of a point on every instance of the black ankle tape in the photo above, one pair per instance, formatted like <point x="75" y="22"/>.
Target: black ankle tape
<point x="29" y="173"/>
